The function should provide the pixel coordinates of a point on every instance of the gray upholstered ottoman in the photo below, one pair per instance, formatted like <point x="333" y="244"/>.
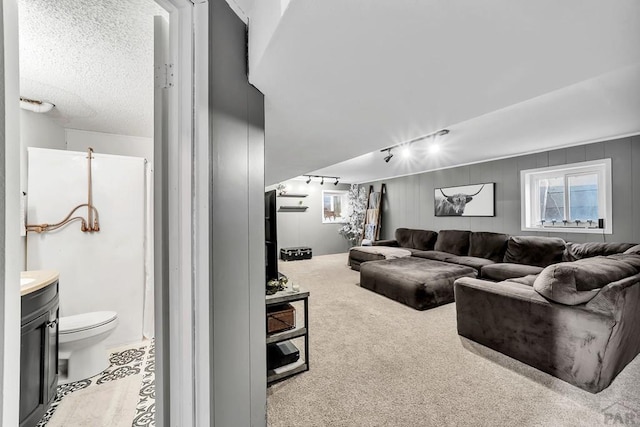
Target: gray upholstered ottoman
<point x="417" y="282"/>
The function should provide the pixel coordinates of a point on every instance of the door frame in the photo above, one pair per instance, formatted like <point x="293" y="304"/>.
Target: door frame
<point x="183" y="382"/>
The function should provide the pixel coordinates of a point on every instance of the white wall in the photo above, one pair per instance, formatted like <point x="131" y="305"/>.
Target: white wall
<point x="102" y="270"/>
<point x="109" y="143"/>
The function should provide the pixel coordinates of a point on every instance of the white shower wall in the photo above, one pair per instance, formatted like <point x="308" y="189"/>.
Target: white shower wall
<point x="102" y="270"/>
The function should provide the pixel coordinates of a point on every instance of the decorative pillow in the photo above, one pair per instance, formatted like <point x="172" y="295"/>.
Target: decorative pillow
<point x="576" y="251"/>
<point x="488" y="245"/>
<point x="455" y="242"/>
<point x="534" y="250"/>
<point x="577" y="282"/>
<point x="634" y="250"/>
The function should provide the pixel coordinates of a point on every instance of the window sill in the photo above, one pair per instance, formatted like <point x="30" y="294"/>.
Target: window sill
<point x="561" y="229"/>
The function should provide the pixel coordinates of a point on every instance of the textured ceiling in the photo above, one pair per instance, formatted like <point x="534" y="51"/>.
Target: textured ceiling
<point x="343" y="78"/>
<point x="93" y="60"/>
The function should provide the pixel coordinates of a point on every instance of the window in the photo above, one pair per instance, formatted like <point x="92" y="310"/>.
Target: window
<point x="567" y="198"/>
<point x="335" y="206"/>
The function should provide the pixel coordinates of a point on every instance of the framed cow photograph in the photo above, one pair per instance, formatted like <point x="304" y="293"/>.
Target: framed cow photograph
<point x="465" y="200"/>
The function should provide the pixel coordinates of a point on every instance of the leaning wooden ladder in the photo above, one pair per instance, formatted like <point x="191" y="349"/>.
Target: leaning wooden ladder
<point x="373" y="214"/>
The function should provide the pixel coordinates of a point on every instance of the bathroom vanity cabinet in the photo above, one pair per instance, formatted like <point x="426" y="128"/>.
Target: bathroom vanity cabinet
<point x="38" y="351"/>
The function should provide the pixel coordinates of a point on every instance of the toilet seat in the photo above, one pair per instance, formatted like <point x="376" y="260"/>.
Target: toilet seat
<point x="85" y="321"/>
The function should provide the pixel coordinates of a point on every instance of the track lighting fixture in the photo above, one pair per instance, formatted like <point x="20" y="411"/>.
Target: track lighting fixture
<point x="389" y="156"/>
<point x="322" y="177"/>
<point x="407" y="144"/>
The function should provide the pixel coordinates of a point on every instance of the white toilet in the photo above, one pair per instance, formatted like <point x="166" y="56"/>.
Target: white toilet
<point x="81" y="352"/>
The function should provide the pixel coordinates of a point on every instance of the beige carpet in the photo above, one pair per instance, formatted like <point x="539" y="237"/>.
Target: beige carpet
<point x="375" y="362"/>
<point x="112" y="404"/>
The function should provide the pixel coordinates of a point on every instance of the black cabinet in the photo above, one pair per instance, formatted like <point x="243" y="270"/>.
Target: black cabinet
<point x="38" y="353"/>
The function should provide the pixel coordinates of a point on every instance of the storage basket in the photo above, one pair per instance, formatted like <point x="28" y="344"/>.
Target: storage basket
<point x="280" y="318"/>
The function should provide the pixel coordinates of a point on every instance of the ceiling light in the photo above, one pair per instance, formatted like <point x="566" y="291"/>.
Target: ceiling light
<point x="406" y="150"/>
<point x="434" y="148"/>
<point x="389" y="155"/>
<point x="336" y="183"/>
<point x="309" y="180"/>
<point x="322" y="181"/>
<point x="35" y="105"/>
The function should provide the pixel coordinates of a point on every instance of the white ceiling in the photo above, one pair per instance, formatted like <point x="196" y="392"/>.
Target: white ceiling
<point x="345" y="78"/>
<point x="93" y="60"/>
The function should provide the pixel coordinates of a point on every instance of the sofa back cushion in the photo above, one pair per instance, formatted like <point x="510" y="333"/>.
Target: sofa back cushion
<point x="455" y="242"/>
<point x="579" y="281"/>
<point x="534" y="250"/>
<point x="576" y="251"/>
<point x="488" y="245"/>
<point x="416" y="239"/>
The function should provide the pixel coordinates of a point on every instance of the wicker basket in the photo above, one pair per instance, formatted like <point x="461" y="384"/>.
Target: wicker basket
<point x="280" y="318"/>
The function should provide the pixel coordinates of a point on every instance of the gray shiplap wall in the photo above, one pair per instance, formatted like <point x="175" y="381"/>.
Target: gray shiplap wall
<point x="306" y="228"/>
<point x="409" y="201"/>
<point x="238" y="353"/>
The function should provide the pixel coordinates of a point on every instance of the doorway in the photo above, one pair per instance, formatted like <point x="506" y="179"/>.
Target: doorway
<point x="180" y="127"/>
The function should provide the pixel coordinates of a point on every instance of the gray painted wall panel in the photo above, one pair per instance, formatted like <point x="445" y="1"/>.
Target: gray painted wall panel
<point x="594" y="151"/>
<point x="576" y="154"/>
<point x="635" y="186"/>
<point x="237" y="227"/>
<point x="557" y="157"/>
<point x="625" y="154"/>
<point x="620" y="153"/>
<point x="257" y="309"/>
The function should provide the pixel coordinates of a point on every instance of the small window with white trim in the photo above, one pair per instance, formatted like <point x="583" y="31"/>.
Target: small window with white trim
<point x="574" y="198"/>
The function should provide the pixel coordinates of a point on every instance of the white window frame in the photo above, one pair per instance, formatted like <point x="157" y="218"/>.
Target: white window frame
<point x="343" y="194"/>
<point x="530" y="203"/>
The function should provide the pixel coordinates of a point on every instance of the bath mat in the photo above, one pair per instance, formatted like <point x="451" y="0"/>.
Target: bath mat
<point x="112" y="404"/>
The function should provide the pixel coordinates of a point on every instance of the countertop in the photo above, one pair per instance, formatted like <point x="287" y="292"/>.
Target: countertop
<point x="41" y="278"/>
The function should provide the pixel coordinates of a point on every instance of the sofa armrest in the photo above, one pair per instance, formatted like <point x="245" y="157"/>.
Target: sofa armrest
<point x="388" y="242"/>
<point x="565" y="341"/>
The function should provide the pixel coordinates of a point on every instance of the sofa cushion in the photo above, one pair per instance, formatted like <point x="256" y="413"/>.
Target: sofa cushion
<point x="633" y="260"/>
<point x="534" y="250"/>
<point x="577" y="282"/>
<point x="424" y="240"/>
<point x="526" y="280"/>
<point x="470" y="261"/>
<point x="488" y="245"/>
<point x="434" y="255"/>
<point x="634" y="250"/>
<point x="417" y="239"/>
<point x="404" y="237"/>
<point x="455" y="242"/>
<point x="576" y="251"/>
<point x="503" y="271"/>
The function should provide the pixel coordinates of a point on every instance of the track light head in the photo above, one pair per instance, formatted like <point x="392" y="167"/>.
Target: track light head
<point x="336" y="183"/>
<point x="387" y="158"/>
<point x="309" y="180"/>
<point x="322" y="181"/>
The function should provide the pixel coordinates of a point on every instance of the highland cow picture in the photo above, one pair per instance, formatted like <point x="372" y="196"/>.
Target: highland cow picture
<point x="466" y="200"/>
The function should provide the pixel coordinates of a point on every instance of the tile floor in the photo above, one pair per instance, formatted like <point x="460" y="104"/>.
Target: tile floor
<point x="123" y="363"/>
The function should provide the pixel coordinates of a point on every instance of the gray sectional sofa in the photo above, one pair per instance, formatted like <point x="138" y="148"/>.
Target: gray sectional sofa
<point x="569" y="309"/>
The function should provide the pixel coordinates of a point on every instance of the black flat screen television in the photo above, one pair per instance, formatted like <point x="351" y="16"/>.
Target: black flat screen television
<point x="271" y="235"/>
